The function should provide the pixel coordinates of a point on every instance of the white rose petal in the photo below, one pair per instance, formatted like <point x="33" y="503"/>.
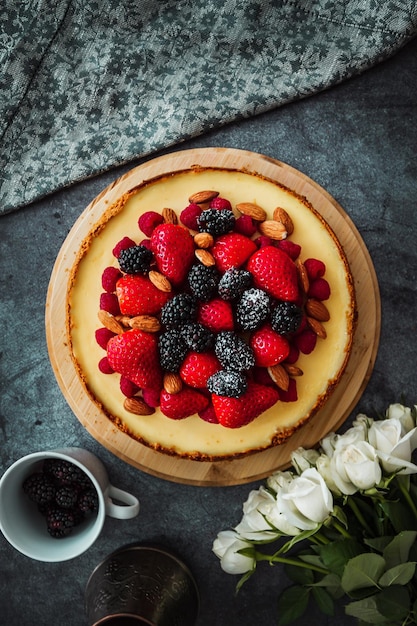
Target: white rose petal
<point x="402" y="413"/>
<point x="356" y="467"/>
<point x="394" y="445"/>
<point x="226" y="547"/>
<point x="306" y="501"/>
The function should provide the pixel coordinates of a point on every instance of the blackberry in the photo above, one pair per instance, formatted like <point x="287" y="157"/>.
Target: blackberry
<point x="64" y="471"/>
<point x="88" y="501"/>
<point x="60" y="522"/>
<point x="233" y="283"/>
<point x="233" y="352"/>
<point x="181" y="309"/>
<point x="39" y="488"/>
<point x="227" y="383"/>
<point x="216" y="221"/>
<point x="203" y="281"/>
<point x="253" y="308"/>
<point x="66" y="497"/>
<point x="172" y="350"/>
<point x="135" y="260"/>
<point x="197" y="337"/>
<point x="286" y="318"/>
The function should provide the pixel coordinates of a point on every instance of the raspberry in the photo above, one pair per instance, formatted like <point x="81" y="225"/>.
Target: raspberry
<point x="146" y="243"/>
<point x="149" y="221"/>
<point x="124" y="243"/>
<point x="135" y="260"/>
<point x="315" y="268"/>
<point x="209" y="415"/>
<point x="319" y="289"/>
<point x="291" y="394"/>
<point x="220" y="203"/>
<point x="128" y="388"/>
<point x="151" y="397"/>
<point x="292" y="249"/>
<point x="109" y="303"/>
<point x="216" y="221"/>
<point x="103" y="335"/>
<point x="189" y="216"/>
<point x="306" y="341"/>
<point x="263" y="241"/>
<point x="104" y="366"/>
<point x="293" y="355"/>
<point x="261" y="376"/>
<point x="109" y="279"/>
<point x="245" y="225"/>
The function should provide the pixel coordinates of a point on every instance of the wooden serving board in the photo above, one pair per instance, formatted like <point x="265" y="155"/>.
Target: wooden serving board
<point x="329" y="418"/>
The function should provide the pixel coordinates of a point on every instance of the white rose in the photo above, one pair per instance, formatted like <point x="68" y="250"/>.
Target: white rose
<point x="306" y="500"/>
<point x="356" y="433"/>
<point x="303" y="459"/>
<point x="323" y="467"/>
<point x="278" y="480"/>
<point x="355" y="465"/>
<point x="394" y="445"/>
<point x="254" y="525"/>
<point x="402" y="413"/>
<point x="226" y="547"/>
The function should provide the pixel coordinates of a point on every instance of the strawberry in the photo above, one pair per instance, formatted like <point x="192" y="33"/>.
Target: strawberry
<point x="268" y="346"/>
<point x="237" y="412"/>
<point x="275" y="272"/>
<point x="182" y="404"/>
<point x="216" y="315"/>
<point x="232" y="250"/>
<point x="134" y="354"/>
<point x="138" y="296"/>
<point x="173" y="248"/>
<point x="197" y="368"/>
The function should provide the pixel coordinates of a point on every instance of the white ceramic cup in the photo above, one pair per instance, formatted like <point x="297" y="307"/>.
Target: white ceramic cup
<point x="24" y="527"/>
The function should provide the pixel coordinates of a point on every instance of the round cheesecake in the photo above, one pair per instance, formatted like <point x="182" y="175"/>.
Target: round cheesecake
<point x="317" y="373"/>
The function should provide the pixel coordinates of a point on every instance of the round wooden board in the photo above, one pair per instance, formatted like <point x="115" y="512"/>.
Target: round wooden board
<point x="329" y="418"/>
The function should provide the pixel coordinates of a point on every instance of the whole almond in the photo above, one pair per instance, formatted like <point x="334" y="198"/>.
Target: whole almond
<point x="274" y="230"/>
<point x="160" y="281"/>
<point x="253" y="210"/>
<point x="203" y="240"/>
<point x="302" y="273"/>
<point x="169" y="215"/>
<point x="145" y="322"/>
<point x="172" y="383"/>
<point x="124" y="320"/>
<point x="280" y="376"/>
<point x="205" y="257"/>
<point x="281" y="215"/>
<point x="317" y="327"/>
<point x="138" y="406"/>
<point x="110" y="322"/>
<point x="201" y="197"/>
<point x="293" y="370"/>
<point x="317" y="309"/>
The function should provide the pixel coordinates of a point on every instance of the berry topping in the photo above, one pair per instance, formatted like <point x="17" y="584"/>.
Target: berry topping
<point x="189" y="216"/>
<point x="208" y="415"/>
<point x="109" y="303"/>
<point x="128" y="388"/>
<point x="197" y="337"/>
<point x="103" y="335"/>
<point x="286" y="318"/>
<point x="245" y="225"/>
<point x="268" y="346"/>
<point x="253" y="308"/>
<point x="104" y="366"/>
<point x="275" y="272"/>
<point x="134" y="354"/>
<point x="197" y="368"/>
<point x="220" y="203"/>
<point x="148" y="221"/>
<point x="203" y="281"/>
<point x="109" y="278"/>
<point x="216" y="315"/>
<point x="289" y="247"/>
<point x="237" y="412"/>
<point x="233" y="283"/>
<point x="181" y="309"/>
<point x="124" y="243"/>
<point x="216" y="221"/>
<point x="135" y="260"/>
<point x="315" y="268"/>
<point x="173" y="248"/>
<point x="232" y="250"/>
<point x="137" y="295"/>
<point x="306" y="341"/>
<point x="227" y="383"/>
<point x="233" y="352"/>
<point x="172" y="350"/>
<point x="319" y="289"/>
<point x="182" y="404"/>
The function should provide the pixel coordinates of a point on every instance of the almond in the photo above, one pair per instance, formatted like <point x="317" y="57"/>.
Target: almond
<point x="169" y="215"/>
<point x="293" y="370"/>
<point x="253" y="210"/>
<point x="281" y="215"/>
<point x="201" y="197"/>
<point x="145" y="322"/>
<point x="317" y="309"/>
<point x="302" y="273"/>
<point x="280" y="376"/>
<point x="172" y="383"/>
<point x="274" y="230"/>
<point x="110" y="322"/>
<point x="124" y="320"/>
<point x="203" y="240"/>
<point x="205" y="257"/>
<point x="138" y="406"/>
<point x="160" y="281"/>
<point x="317" y="327"/>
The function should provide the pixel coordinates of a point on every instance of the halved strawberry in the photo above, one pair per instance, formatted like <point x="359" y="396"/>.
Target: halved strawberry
<point x="237" y="412"/>
<point x="268" y="346"/>
<point x="197" y="368"/>
<point x="275" y="272"/>
<point x="173" y="248"/>
<point x="134" y="354"/>
<point x="186" y="402"/>
<point x="138" y="296"/>
<point x="232" y="250"/>
<point x="216" y="315"/>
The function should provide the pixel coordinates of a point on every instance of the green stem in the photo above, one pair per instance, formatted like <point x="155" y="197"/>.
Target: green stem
<point x="287" y="561"/>
<point x="354" y="507"/>
<point x="408" y="497"/>
<point x="341" y="530"/>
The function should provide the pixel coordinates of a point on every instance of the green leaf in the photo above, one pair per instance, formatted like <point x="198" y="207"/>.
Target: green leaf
<point x="397" y="551"/>
<point x="305" y="534"/>
<point x="332" y="584"/>
<point x="292" y="604"/>
<point x="398" y="575"/>
<point x="299" y="575"/>
<point x="393" y="603"/>
<point x="399" y="515"/>
<point x="363" y="571"/>
<point x="365" y="610"/>
<point x="335" y="555"/>
<point x="323" y="600"/>
<point x="378" y="543"/>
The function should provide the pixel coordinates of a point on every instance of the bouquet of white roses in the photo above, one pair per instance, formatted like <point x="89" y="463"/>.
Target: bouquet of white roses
<point x="343" y="521"/>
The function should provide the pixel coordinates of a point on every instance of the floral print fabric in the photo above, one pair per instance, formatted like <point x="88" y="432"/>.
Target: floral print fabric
<point x="89" y="84"/>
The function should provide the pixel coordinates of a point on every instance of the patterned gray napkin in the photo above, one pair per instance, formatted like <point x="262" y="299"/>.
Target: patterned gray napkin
<point x="89" y="84"/>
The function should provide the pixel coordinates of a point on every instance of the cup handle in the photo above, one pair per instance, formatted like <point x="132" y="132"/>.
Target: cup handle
<point x="127" y="510"/>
